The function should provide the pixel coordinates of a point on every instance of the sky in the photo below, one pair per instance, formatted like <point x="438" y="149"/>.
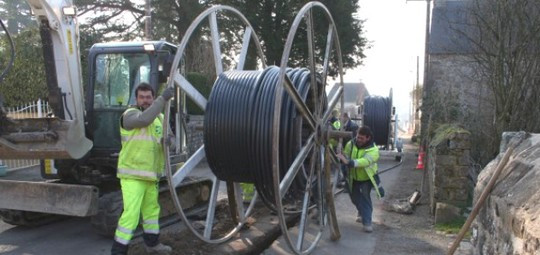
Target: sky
<point x="396" y="32"/>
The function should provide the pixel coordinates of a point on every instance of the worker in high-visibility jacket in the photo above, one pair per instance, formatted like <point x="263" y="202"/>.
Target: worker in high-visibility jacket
<point x="361" y="156"/>
<point x="335" y="124"/>
<point x="140" y="166"/>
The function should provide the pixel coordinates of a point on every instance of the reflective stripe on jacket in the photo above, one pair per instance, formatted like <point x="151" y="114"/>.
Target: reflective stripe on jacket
<point x="365" y="163"/>
<point x="142" y="155"/>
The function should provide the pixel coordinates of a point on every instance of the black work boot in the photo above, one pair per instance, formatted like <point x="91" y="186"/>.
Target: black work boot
<point x="119" y="249"/>
<point x="153" y="246"/>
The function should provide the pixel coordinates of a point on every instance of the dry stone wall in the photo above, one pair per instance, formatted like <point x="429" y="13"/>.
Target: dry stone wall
<point x="509" y="221"/>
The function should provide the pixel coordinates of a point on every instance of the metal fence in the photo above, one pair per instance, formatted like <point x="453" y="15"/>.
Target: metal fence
<point x="36" y="109"/>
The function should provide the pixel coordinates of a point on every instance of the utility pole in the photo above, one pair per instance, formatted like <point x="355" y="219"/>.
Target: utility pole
<point x="426" y="50"/>
<point x="426" y="57"/>
<point x="416" y="102"/>
<point x="148" y="21"/>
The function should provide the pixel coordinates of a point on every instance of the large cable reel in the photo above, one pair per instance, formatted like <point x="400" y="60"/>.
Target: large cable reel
<point x="377" y="115"/>
<point x="267" y="127"/>
<point x="175" y="178"/>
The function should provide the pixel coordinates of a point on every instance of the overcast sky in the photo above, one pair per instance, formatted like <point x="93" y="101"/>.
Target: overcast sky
<point x="396" y="31"/>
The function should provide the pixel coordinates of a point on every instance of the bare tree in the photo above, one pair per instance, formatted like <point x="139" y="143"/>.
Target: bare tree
<point x="506" y="39"/>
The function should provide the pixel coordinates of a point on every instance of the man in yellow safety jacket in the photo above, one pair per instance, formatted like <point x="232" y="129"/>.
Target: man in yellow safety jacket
<point x="361" y="156"/>
<point x="140" y="166"/>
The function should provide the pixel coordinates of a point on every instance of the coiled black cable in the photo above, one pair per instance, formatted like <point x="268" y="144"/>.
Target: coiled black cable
<point x="377" y="116"/>
<point x="238" y="127"/>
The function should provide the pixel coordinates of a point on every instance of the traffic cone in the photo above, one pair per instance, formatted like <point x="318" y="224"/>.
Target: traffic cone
<point x="420" y="164"/>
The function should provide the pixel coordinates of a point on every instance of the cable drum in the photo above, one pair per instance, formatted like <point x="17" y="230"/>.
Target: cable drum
<point x="377" y="116"/>
<point x="238" y="126"/>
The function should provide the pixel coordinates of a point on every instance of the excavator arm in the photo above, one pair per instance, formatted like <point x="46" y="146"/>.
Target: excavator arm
<point x="62" y="135"/>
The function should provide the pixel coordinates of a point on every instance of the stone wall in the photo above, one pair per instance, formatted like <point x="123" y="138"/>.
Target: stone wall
<point x="449" y="165"/>
<point x="509" y="221"/>
<point x="455" y="95"/>
<point x="194" y="134"/>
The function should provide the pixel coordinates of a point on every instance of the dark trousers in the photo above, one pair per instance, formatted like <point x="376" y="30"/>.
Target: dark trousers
<point x="361" y="198"/>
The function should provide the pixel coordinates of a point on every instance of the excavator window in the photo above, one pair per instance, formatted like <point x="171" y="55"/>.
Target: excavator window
<point x="115" y="78"/>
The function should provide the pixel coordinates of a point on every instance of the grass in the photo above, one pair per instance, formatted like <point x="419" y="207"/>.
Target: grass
<point x="452" y="227"/>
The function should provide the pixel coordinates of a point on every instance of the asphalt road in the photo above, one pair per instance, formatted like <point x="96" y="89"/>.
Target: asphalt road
<point x="69" y="235"/>
<point x="353" y="240"/>
<point x="76" y="236"/>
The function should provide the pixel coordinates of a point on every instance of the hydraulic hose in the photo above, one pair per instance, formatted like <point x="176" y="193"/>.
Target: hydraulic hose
<point x="238" y="127"/>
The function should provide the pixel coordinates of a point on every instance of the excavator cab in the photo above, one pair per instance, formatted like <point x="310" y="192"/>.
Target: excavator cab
<point x="115" y="70"/>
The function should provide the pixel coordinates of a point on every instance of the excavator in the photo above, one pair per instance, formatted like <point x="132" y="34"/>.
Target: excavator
<point x="79" y="142"/>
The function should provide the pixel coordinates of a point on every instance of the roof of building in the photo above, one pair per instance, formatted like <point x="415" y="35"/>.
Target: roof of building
<point x="351" y="91"/>
<point x="450" y="28"/>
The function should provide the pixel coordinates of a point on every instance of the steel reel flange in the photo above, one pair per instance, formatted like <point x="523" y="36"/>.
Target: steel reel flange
<point x="314" y="153"/>
<point x="175" y="177"/>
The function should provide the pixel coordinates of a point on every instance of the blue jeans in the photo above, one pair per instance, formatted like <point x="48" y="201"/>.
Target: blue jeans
<point x="361" y="198"/>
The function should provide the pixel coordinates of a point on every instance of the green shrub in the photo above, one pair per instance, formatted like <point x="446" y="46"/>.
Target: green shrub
<point x="200" y="82"/>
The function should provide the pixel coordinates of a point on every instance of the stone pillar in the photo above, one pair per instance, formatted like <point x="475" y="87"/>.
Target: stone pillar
<point x="448" y="165"/>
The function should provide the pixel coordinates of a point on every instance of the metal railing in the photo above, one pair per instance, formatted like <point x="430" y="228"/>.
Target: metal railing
<point x="36" y="109"/>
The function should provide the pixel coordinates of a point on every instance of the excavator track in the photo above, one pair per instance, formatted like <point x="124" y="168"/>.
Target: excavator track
<point x="29" y="219"/>
<point x="194" y="191"/>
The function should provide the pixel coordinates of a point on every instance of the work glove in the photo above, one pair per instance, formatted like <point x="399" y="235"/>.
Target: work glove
<point x="168" y="93"/>
<point x="379" y="185"/>
<point x="381" y="191"/>
<point x="169" y="142"/>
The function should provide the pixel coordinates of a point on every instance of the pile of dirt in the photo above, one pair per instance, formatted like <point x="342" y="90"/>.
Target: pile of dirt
<point x="184" y="242"/>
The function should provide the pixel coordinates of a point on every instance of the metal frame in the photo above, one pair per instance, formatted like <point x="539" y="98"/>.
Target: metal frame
<point x="317" y="142"/>
<point x="177" y="79"/>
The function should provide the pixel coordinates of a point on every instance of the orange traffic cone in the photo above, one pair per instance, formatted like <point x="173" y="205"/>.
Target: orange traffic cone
<point x="420" y="164"/>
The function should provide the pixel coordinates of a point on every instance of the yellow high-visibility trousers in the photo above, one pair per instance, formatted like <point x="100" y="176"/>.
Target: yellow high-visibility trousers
<point x="140" y="198"/>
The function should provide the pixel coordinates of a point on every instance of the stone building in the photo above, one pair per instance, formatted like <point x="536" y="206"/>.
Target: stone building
<point x="354" y="94"/>
<point x="453" y="92"/>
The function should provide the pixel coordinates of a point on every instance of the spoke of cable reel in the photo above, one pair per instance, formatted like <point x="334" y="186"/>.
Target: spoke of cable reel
<point x="186" y="169"/>
<point x="190" y="91"/>
<point x="244" y="51"/>
<point x="311" y="58"/>
<point x="305" y="202"/>
<point x="300" y="105"/>
<point x="211" y="208"/>
<point x="320" y="187"/>
<point x="333" y="102"/>
<point x="238" y="192"/>
<point x="327" y="53"/>
<point x="215" y="43"/>
<point x="296" y="165"/>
